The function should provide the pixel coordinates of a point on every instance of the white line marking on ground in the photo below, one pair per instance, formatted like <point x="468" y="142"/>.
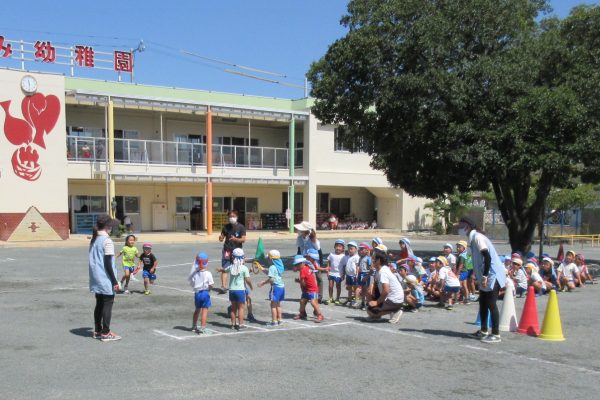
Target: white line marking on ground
<point x="56" y="289"/>
<point x="473" y="347"/>
<point x="167" y="335"/>
<point x="7" y="259"/>
<point x="395" y="332"/>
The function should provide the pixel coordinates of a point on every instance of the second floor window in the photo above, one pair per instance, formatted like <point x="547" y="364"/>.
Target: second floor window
<point x="358" y="146"/>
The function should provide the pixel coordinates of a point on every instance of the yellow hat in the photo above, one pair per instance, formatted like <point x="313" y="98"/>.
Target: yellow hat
<point x="443" y="260"/>
<point x="462" y="243"/>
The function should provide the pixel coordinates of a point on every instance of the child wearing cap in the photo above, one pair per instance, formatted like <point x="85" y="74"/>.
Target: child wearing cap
<point x="202" y="282"/>
<point x="461" y="270"/>
<point x="239" y="279"/>
<point x="351" y="273"/>
<point x="534" y="279"/>
<point x="310" y="291"/>
<point x="568" y="273"/>
<point x="519" y="277"/>
<point x="362" y="282"/>
<point x="277" y="292"/>
<point x="416" y="296"/>
<point x="584" y="273"/>
<point x="448" y="253"/>
<point x="149" y="263"/>
<point x="336" y="261"/>
<point x="405" y="249"/>
<point x="548" y="273"/>
<point x="313" y="257"/>
<point x="448" y="283"/>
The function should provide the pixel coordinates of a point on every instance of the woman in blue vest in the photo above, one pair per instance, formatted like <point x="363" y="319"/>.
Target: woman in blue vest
<point x="490" y="275"/>
<point x="103" y="272"/>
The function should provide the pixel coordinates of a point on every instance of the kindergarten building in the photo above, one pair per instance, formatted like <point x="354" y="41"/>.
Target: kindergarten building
<point x="176" y="160"/>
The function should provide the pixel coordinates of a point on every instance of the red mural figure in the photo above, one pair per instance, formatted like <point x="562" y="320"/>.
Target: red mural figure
<point x="41" y="114"/>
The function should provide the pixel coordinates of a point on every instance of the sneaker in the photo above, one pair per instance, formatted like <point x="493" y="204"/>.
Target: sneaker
<point x="449" y="307"/>
<point x="300" y="316"/>
<point x="337" y="302"/>
<point x="319" y="318"/>
<point x="352" y="304"/>
<point x="109" y="337"/>
<point x="328" y="302"/>
<point x="280" y="322"/>
<point x="205" y="332"/>
<point x="242" y="327"/>
<point x="222" y="290"/>
<point x="413" y="310"/>
<point x="472" y="297"/>
<point x="126" y="291"/>
<point x="357" y="306"/>
<point x="491" y="339"/>
<point x="196" y="330"/>
<point x="233" y="327"/>
<point x="146" y="292"/>
<point x="479" y="334"/>
<point x="272" y="323"/>
<point x="96" y="335"/>
<point x="395" y="318"/>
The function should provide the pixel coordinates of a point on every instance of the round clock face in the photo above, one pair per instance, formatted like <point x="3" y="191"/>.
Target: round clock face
<point x="28" y="84"/>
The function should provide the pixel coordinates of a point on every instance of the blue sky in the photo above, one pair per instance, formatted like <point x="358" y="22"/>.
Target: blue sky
<point x="282" y="36"/>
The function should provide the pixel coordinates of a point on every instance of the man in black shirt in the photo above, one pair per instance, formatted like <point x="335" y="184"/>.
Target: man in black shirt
<point x="234" y="235"/>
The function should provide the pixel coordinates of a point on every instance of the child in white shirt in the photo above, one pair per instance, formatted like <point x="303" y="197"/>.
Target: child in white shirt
<point x="202" y="282"/>
<point x="336" y="262"/>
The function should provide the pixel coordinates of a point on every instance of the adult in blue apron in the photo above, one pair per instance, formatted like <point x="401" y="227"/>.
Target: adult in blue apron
<point x="490" y="276"/>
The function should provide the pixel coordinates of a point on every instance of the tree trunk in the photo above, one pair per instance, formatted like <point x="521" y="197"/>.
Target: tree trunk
<point x="521" y="218"/>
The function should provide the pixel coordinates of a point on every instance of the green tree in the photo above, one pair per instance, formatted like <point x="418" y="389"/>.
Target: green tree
<point x="468" y="94"/>
<point x="450" y="207"/>
<point x="569" y="198"/>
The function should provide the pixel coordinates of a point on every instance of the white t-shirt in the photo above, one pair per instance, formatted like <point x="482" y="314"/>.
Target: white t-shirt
<point x="352" y="265"/>
<point x="451" y="260"/>
<point x="521" y="278"/>
<point x="396" y="294"/>
<point x="449" y="276"/>
<point x="305" y="243"/>
<point x="336" y="261"/>
<point x="200" y="280"/>
<point x="568" y="270"/>
<point x="535" y="277"/>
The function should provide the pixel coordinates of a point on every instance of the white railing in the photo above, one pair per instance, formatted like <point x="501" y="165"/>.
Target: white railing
<point x="180" y="153"/>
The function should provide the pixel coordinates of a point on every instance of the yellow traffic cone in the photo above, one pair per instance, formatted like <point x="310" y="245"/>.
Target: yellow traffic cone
<point x="552" y="327"/>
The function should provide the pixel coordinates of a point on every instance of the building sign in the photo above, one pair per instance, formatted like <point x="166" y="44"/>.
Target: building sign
<point x="77" y="56"/>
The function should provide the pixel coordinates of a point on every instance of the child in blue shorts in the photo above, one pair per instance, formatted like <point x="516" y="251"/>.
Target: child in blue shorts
<point x="202" y="282"/>
<point x="336" y="263"/>
<point x="277" y="292"/>
<point x="238" y="282"/>
<point x="149" y="263"/>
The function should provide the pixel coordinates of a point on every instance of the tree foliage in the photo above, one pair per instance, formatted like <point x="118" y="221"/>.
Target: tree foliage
<point x="469" y="94"/>
<point x="450" y="207"/>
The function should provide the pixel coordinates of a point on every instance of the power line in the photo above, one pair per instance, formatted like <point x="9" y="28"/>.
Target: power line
<point x="234" y="65"/>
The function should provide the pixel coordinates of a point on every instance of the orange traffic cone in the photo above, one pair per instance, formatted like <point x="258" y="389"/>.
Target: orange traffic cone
<point x="552" y="327"/>
<point x="529" y="324"/>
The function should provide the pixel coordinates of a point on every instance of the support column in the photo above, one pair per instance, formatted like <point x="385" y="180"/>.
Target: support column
<point x="209" y="201"/>
<point x="292" y="167"/>
<point x="111" y="157"/>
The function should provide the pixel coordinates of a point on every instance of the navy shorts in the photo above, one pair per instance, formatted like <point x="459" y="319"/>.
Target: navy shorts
<point x="202" y="299"/>
<point x="277" y="293"/>
<point x="470" y="273"/>
<point x="149" y="275"/>
<point x="310" y="295"/>
<point x="350" y="280"/>
<point x="464" y="275"/>
<point x="363" y="279"/>
<point x="451" y="289"/>
<point x="237" y="295"/>
<point x="336" y="279"/>
<point x="130" y="269"/>
<point x="520" y="290"/>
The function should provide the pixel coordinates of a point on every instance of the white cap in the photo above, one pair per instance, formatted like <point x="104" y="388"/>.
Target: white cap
<point x="303" y="226"/>
<point x="411" y="279"/>
<point x="238" y="252"/>
<point x="274" y="254"/>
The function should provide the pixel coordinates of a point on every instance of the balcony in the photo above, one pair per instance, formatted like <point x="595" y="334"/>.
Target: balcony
<point x="133" y="151"/>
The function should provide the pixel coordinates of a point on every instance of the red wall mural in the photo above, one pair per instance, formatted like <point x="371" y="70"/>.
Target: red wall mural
<point x="40" y="114"/>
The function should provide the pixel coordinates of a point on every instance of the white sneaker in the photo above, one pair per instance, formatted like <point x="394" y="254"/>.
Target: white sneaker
<point x="395" y="318"/>
<point x="491" y="339"/>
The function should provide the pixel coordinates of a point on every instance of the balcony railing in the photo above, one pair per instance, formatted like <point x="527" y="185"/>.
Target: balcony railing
<point x="135" y="151"/>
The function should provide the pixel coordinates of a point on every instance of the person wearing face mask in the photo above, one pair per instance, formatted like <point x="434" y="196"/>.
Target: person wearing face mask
<point x="490" y="275"/>
<point x="233" y="236"/>
<point x="103" y="281"/>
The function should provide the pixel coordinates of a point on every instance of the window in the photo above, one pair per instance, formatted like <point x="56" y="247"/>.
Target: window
<point x="298" y="202"/>
<point x="184" y="205"/>
<point x="251" y="204"/>
<point x="340" y="207"/>
<point x="236" y="141"/>
<point x="85" y="131"/>
<point x="358" y="146"/>
<point x="322" y="202"/>
<point x="89" y="204"/>
<point x="131" y="205"/>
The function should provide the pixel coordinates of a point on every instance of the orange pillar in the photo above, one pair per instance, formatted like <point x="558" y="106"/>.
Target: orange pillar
<point x="209" y="201"/>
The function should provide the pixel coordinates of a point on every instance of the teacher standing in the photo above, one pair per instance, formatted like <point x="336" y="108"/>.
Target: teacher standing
<point x="103" y="281"/>
<point x="490" y="275"/>
<point x="233" y="235"/>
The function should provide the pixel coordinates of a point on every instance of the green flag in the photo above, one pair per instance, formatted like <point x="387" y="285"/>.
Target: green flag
<point x="260" y="250"/>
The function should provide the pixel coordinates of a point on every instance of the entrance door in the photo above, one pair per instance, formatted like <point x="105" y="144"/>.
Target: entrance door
<point x="239" y="204"/>
<point x="197" y="214"/>
<point x="160" y="217"/>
